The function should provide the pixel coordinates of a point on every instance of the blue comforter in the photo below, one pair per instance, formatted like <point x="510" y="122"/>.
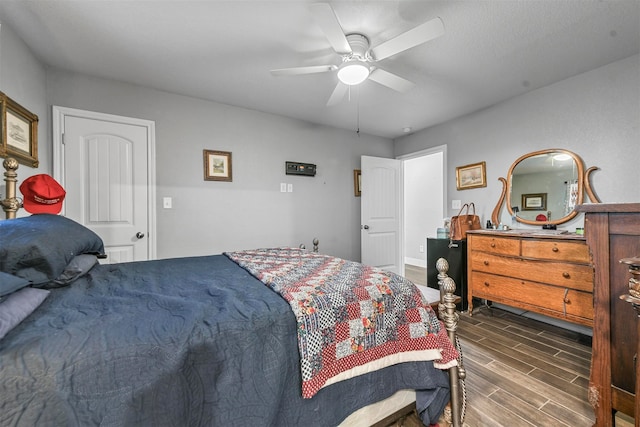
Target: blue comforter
<point x="179" y="342"/>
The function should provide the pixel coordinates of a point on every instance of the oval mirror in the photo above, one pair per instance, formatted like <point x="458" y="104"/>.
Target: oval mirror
<point x="544" y="187"/>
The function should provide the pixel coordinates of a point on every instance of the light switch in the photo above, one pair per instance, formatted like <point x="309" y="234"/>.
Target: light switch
<point x="283" y="187"/>
<point x="166" y="202"/>
<point x="456" y="204"/>
<point x="289" y="188"/>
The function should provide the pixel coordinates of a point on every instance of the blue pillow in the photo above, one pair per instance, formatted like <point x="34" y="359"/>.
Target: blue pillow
<point x="39" y="247"/>
<point x="78" y="267"/>
<point x="17" y="306"/>
<point x="10" y="283"/>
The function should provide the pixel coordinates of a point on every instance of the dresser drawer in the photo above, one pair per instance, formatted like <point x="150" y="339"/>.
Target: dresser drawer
<point x="509" y="290"/>
<point x="551" y="275"/>
<point x="577" y="252"/>
<point x="573" y="276"/>
<point x="497" y="245"/>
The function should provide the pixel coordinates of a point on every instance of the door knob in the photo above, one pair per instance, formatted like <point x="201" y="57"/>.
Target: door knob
<point x="366" y="227"/>
<point x="139" y="235"/>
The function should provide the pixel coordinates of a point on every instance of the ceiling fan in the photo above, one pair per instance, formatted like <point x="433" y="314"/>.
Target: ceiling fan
<point x="359" y="59"/>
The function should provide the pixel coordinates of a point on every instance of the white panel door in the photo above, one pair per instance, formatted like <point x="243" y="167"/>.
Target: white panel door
<point x="105" y="175"/>
<point x="381" y="209"/>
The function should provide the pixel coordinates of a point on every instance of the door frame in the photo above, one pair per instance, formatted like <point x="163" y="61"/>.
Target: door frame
<point x="58" y="117"/>
<point x="426" y="152"/>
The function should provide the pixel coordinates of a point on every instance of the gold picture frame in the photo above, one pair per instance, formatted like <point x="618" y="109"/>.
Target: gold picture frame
<point x="217" y="165"/>
<point x="18" y="132"/>
<point x="471" y="176"/>
<point x="357" y="182"/>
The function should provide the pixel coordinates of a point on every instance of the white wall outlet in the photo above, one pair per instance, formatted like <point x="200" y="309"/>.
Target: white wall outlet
<point x="289" y="188"/>
<point x="456" y="204"/>
<point x="421" y="249"/>
<point x="283" y="187"/>
<point x="167" y="202"/>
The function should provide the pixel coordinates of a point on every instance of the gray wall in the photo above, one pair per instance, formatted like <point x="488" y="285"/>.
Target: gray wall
<point x="211" y="217"/>
<point x="595" y="114"/>
<point x="22" y="78"/>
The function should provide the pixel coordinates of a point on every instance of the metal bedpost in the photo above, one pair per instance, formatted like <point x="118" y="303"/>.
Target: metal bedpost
<point x="450" y="318"/>
<point x="11" y="204"/>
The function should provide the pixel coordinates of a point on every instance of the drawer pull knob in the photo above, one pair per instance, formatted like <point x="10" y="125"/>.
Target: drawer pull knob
<point x="486" y="262"/>
<point x="555" y="249"/>
<point x="486" y="283"/>
<point x="566" y="275"/>
<point x="493" y="245"/>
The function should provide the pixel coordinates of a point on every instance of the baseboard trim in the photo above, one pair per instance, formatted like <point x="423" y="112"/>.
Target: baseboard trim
<point x="416" y="262"/>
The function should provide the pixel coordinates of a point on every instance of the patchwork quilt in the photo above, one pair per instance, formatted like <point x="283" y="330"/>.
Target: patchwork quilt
<point x="351" y="318"/>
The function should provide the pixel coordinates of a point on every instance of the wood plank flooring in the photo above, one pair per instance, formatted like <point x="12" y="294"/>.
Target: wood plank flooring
<point x="522" y="372"/>
<point x="417" y="275"/>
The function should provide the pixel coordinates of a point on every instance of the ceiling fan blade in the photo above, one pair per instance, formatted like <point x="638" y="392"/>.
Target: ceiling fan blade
<point x="303" y="70"/>
<point x="422" y="33"/>
<point x="338" y="94"/>
<point x="390" y="80"/>
<point x="328" y="22"/>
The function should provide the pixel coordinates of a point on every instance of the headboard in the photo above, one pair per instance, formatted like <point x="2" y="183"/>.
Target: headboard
<point x="11" y="203"/>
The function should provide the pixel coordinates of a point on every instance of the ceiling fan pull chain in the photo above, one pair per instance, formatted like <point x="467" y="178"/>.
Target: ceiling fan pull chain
<point x="358" y="112"/>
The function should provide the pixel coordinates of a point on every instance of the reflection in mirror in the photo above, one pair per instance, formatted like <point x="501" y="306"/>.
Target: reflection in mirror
<point x="544" y="187"/>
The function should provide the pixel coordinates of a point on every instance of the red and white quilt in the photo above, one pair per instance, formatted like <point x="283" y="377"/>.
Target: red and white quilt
<point x="351" y="318"/>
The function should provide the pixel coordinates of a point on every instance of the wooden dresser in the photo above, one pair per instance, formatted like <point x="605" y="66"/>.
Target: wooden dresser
<point x="613" y="233"/>
<point x="536" y="271"/>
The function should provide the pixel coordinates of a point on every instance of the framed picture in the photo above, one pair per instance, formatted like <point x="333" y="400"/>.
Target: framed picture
<point x="217" y="165"/>
<point x="471" y="176"/>
<point x="534" y="202"/>
<point x="18" y="133"/>
<point x="357" y="181"/>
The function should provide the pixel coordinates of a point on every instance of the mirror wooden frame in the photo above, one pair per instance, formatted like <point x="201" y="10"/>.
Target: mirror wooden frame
<point x="584" y="186"/>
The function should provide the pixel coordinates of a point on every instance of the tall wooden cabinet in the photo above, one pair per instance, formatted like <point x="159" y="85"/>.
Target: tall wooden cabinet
<point x="541" y="272"/>
<point x="613" y="233"/>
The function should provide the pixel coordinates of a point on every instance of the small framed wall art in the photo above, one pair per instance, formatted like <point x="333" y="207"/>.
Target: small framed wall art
<point x="18" y="132"/>
<point x="471" y="176"/>
<point x="357" y="182"/>
<point x="534" y="202"/>
<point x="217" y="165"/>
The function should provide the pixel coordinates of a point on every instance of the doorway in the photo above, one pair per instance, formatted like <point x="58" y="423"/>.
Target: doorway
<point x="424" y="188"/>
<point x="106" y="164"/>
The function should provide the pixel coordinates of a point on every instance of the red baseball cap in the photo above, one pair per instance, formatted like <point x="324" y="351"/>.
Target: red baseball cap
<point x="42" y="194"/>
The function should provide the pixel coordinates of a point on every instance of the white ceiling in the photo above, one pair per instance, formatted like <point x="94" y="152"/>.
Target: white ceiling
<point x="224" y="50"/>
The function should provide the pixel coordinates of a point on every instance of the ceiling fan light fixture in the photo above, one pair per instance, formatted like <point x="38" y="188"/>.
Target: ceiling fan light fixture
<point x="353" y="72"/>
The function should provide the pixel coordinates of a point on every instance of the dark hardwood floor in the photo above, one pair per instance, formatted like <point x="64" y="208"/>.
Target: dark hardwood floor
<point x="522" y="372"/>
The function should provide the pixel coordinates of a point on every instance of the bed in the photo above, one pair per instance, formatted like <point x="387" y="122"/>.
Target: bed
<point x="208" y="341"/>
